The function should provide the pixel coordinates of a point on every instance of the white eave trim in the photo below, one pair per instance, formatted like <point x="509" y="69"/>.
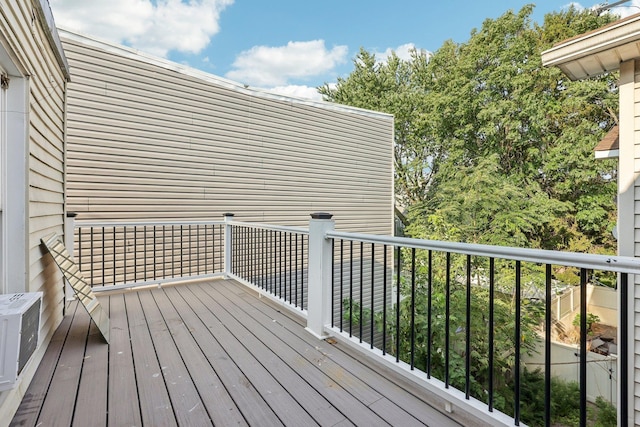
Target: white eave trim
<point x="128" y="52"/>
<point x="607" y="154"/>
<point x="51" y="32"/>
<point x="609" y="37"/>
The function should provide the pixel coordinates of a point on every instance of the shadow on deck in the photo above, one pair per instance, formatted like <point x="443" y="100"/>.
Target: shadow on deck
<point x="210" y="353"/>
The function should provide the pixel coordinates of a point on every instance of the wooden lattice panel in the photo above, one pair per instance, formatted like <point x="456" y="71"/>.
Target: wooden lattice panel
<point x="74" y="276"/>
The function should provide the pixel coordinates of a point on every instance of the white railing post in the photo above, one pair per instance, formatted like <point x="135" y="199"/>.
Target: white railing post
<point x="69" y="231"/>
<point x="228" y="244"/>
<point x="320" y="271"/>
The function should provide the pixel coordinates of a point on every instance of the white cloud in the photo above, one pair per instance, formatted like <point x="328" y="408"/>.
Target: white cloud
<point x="403" y="52"/>
<point x="153" y="28"/>
<point x="267" y="66"/>
<point x="297" y="91"/>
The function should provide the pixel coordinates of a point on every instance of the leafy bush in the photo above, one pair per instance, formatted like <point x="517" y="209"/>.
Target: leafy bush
<point x="605" y="414"/>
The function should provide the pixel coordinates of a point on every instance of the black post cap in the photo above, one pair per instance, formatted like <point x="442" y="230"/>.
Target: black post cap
<point x="227" y="214"/>
<point x="321" y="215"/>
<point x="71" y="214"/>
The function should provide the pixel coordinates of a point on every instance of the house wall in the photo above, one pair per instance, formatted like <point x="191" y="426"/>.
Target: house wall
<point x="153" y="140"/>
<point x="31" y="166"/>
<point x="629" y="209"/>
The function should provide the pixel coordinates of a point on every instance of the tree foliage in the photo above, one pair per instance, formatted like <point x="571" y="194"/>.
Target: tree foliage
<point x="492" y="147"/>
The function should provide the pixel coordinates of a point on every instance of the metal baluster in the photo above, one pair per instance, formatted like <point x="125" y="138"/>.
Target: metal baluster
<point x="155" y="250"/>
<point x="341" y="283"/>
<point x="447" y="322"/>
<point x="350" y="288"/>
<point x="303" y="280"/>
<point x="429" y="311"/>
<point x="333" y="283"/>
<point x="280" y="264"/>
<point x="296" y="270"/>
<point x="114" y="255"/>
<point x="259" y="257"/>
<point x="399" y="255"/>
<point x="623" y="356"/>
<point x="583" y="347"/>
<point x="467" y="356"/>
<point x="384" y="300"/>
<point x="146" y="255"/>
<point x="124" y="251"/>
<point x="103" y="256"/>
<point x="181" y="251"/>
<point x="272" y="263"/>
<point x="361" y="291"/>
<point x="91" y="252"/>
<point x="547" y="348"/>
<point x="290" y="269"/>
<point x="213" y="249"/>
<point x="164" y="251"/>
<point x="135" y="253"/>
<point x="518" y="338"/>
<point x="80" y="250"/>
<point x="373" y="257"/>
<point x="413" y="308"/>
<point x="491" y="326"/>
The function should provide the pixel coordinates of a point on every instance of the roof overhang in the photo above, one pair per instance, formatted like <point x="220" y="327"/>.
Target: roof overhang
<point x="597" y="51"/>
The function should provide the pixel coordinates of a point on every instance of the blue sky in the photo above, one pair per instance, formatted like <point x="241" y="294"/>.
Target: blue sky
<point x="289" y="46"/>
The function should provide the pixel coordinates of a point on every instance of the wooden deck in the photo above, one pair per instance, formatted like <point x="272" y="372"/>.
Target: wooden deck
<point x="210" y="353"/>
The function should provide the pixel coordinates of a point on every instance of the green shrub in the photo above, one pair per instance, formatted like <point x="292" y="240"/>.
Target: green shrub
<point x="605" y="414"/>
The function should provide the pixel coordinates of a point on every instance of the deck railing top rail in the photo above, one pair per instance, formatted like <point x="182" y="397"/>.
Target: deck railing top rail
<point x="287" y="229"/>
<point x="618" y="264"/>
<point x="97" y="224"/>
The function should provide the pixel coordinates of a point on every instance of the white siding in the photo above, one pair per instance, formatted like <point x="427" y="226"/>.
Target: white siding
<point x="39" y="71"/>
<point x="629" y="209"/>
<point x="149" y="139"/>
<point x="626" y="195"/>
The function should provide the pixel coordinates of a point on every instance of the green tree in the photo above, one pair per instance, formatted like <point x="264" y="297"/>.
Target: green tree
<point x="489" y="103"/>
<point x="396" y="87"/>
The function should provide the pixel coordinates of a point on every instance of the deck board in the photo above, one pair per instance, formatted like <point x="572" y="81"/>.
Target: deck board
<point x="275" y="395"/>
<point x="235" y="382"/>
<point x="92" y="394"/>
<point x="402" y="393"/>
<point x="155" y="404"/>
<point x="66" y="378"/>
<point x="210" y="353"/>
<point x="216" y="400"/>
<point x="185" y="400"/>
<point x="345" y="392"/>
<point x="123" y="400"/>
<point x="270" y="352"/>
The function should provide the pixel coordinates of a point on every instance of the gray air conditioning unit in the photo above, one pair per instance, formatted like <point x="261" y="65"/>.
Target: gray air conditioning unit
<point x="19" y="329"/>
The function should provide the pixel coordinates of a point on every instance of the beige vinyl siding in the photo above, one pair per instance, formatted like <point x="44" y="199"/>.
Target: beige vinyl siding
<point x="46" y="173"/>
<point x="25" y="36"/>
<point x="151" y="140"/>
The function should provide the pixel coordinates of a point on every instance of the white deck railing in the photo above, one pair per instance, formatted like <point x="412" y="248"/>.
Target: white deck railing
<point x="329" y="276"/>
